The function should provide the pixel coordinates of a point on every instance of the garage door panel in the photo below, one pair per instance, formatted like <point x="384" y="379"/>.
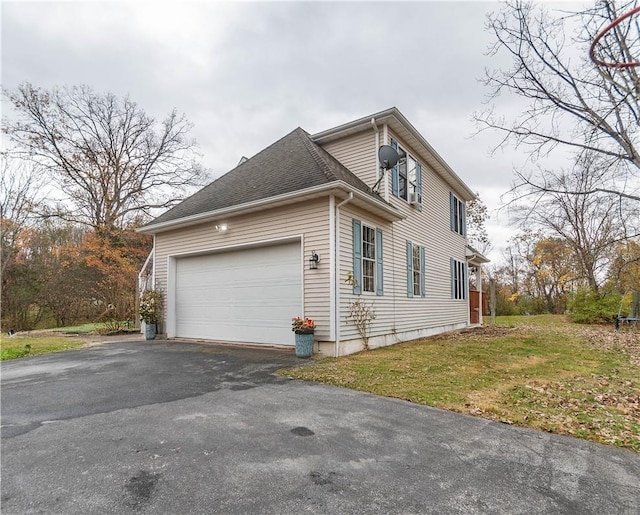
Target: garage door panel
<point x="242" y="296"/>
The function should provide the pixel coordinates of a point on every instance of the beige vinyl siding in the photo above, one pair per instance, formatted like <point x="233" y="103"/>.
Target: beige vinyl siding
<point x="358" y="153"/>
<point x="309" y="219"/>
<point x="383" y="304"/>
<point x="395" y="312"/>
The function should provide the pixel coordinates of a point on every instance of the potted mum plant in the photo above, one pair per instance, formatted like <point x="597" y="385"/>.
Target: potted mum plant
<point x="304" y="328"/>
<point x="151" y="302"/>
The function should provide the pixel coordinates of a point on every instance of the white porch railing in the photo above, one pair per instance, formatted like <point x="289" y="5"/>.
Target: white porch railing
<point x="146" y="280"/>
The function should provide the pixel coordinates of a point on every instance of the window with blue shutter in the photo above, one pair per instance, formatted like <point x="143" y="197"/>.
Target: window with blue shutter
<point x="415" y="270"/>
<point x="367" y="259"/>
<point x="459" y="283"/>
<point x="457" y="214"/>
<point x="453" y="275"/>
<point x="395" y="173"/>
<point x="419" y="184"/>
<point x="406" y="178"/>
<point x="451" y="213"/>
<point x="379" y="265"/>
<point x="422" y="267"/>
<point x="409" y="269"/>
<point x="357" y="257"/>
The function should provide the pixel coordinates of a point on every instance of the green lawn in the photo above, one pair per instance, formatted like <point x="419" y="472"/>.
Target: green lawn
<point x="80" y="329"/>
<point x="536" y="371"/>
<point x="20" y="346"/>
<point x="52" y="340"/>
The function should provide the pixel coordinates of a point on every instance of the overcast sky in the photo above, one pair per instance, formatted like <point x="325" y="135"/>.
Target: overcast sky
<point x="248" y="73"/>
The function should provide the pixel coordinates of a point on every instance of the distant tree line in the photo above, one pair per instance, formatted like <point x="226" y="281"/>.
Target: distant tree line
<point x="579" y="249"/>
<point x="82" y="171"/>
<point x="60" y="274"/>
<point x="543" y="274"/>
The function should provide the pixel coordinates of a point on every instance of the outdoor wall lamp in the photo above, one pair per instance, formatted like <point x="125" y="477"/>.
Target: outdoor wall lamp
<point x="314" y="260"/>
<point x="222" y="228"/>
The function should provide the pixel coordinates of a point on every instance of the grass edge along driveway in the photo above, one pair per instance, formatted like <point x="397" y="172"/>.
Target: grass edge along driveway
<point x="33" y="345"/>
<point x="539" y="371"/>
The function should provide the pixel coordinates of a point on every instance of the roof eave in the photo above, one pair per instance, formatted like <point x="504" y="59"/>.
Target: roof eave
<point x="339" y="188"/>
<point x="475" y="257"/>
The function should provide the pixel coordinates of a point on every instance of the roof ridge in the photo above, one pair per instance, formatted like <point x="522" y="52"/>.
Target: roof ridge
<point x="311" y="148"/>
<point x="322" y="158"/>
<point x="292" y="163"/>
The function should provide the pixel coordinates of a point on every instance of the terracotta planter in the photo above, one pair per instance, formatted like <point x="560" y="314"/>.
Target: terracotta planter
<point x="304" y="344"/>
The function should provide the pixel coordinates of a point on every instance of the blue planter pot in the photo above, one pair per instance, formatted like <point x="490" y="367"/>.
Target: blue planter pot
<point x="149" y="331"/>
<point x="304" y="345"/>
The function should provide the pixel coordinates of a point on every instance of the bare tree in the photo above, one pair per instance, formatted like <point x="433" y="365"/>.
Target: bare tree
<point x="19" y="196"/>
<point x="592" y="225"/>
<point x="477" y="216"/>
<point x="571" y="102"/>
<point x="112" y="161"/>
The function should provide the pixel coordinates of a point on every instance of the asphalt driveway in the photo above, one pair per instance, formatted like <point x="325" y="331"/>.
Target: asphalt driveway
<point x="175" y="427"/>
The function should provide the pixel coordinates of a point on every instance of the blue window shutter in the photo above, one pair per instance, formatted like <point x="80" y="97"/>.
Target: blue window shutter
<point x="464" y="218"/>
<point x="419" y="185"/>
<point x="379" y="268"/>
<point x="465" y="281"/>
<point x="395" y="174"/>
<point x="409" y="270"/>
<point x="451" y="212"/>
<point x="452" y="266"/>
<point x="357" y="257"/>
<point x="422" y="267"/>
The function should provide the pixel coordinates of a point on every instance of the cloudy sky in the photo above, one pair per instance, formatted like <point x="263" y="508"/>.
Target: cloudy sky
<point x="247" y="73"/>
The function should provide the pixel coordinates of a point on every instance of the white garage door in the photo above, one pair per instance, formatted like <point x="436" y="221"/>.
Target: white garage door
<point x="244" y="296"/>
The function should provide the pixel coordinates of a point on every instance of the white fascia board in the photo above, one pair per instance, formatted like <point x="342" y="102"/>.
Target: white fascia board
<point x="287" y="198"/>
<point x="390" y="116"/>
<point x="473" y="256"/>
<point x="351" y="127"/>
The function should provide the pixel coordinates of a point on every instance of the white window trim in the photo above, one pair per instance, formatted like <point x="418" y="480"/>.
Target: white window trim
<point x="371" y="260"/>
<point x="412" y="187"/>
<point x="458" y="215"/>
<point x="416" y="248"/>
<point x="459" y="280"/>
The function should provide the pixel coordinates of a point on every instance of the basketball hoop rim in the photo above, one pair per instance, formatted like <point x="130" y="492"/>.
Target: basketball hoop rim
<point x="592" y="50"/>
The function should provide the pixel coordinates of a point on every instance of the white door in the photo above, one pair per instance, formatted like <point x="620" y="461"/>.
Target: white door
<point x="246" y="296"/>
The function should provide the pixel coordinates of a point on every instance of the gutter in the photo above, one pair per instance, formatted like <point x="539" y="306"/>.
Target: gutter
<point x="474" y="255"/>
<point x="291" y="197"/>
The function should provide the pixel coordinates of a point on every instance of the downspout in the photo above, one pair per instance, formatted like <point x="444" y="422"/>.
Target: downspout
<point x="386" y="141"/>
<point x="377" y="141"/>
<point x="481" y="295"/>
<point x="383" y="179"/>
<point x="153" y="264"/>
<point x="336" y="261"/>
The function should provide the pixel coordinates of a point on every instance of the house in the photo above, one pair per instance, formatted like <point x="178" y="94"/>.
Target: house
<point x="309" y="225"/>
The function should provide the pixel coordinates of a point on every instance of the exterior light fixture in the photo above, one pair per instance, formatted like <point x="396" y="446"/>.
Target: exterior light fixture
<point x="314" y="260"/>
<point x="222" y="228"/>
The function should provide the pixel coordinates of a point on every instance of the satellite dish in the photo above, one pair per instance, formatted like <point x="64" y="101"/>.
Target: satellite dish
<point x="388" y="156"/>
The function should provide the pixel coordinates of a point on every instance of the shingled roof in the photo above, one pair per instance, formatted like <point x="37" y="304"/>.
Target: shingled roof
<point x="290" y="164"/>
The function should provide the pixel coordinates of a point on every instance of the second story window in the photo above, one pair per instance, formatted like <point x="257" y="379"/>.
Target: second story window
<point x="457" y="213"/>
<point x="406" y="179"/>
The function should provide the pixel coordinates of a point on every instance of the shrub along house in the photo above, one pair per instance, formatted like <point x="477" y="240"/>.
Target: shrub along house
<point x="282" y="234"/>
